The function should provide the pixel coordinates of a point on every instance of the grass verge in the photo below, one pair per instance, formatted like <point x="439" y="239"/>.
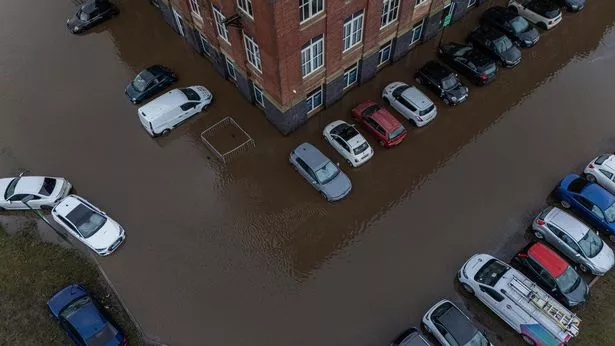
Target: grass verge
<point x="597" y="314"/>
<point x="31" y="271"/>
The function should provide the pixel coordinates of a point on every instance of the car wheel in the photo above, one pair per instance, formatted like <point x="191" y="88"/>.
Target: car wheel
<point x="583" y="268"/>
<point x="590" y="177"/>
<point x="528" y="340"/>
<point x="612" y="238"/>
<point x="426" y="328"/>
<point x="539" y="235"/>
<point x="543" y="26"/>
<point x="46" y="207"/>
<point x="166" y="132"/>
<point x="514" y="9"/>
<point x="2" y="209"/>
<point x="565" y="204"/>
<point x="467" y="288"/>
<point x="324" y="196"/>
<point x="387" y="101"/>
<point x="349" y="162"/>
<point x="446" y="101"/>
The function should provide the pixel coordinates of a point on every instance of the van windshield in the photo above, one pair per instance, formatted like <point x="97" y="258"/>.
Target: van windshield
<point x="191" y="94"/>
<point x="491" y="272"/>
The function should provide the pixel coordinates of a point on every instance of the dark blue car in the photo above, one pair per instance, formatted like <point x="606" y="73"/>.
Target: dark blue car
<point x="82" y="321"/>
<point x="592" y="202"/>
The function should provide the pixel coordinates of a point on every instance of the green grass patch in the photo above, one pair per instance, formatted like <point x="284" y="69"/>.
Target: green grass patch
<point x="30" y="273"/>
<point x="597" y="314"/>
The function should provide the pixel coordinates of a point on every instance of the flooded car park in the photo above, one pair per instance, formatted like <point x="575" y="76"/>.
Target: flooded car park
<point x="248" y="253"/>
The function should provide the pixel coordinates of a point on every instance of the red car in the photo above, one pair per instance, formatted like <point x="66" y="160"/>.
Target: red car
<point x="380" y="123"/>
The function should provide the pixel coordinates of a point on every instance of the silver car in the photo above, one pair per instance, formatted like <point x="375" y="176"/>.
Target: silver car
<point x="321" y="172"/>
<point x="410" y="102"/>
<point x="574" y="239"/>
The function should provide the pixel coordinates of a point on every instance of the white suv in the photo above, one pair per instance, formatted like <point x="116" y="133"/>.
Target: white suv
<point x="602" y="171"/>
<point x="410" y="102"/>
<point x="543" y="13"/>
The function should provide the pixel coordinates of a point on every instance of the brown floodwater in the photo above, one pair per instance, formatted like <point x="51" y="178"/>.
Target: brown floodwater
<point x="249" y="253"/>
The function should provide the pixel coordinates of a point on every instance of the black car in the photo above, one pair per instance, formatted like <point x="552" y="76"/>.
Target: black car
<point x="546" y="268"/>
<point x="497" y="44"/>
<point x="513" y="25"/>
<point x="443" y="82"/>
<point x="410" y="337"/>
<point x="91" y="13"/>
<point x="571" y="5"/>
<point x="472" y="63"/>
<point x="148" y="82"/>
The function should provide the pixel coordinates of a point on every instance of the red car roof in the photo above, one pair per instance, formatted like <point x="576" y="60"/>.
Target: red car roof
<point x="554" y="264"/>
<point x="382" y="116"/>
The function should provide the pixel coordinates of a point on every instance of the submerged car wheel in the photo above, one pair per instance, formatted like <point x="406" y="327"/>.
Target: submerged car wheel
<point x="528" y="340"/>
<point x="565" y="204"/>
<point x="349" y="162"/>
<point x="539" y="235"/>
<point x="543" y="25"/>
<point x="324" y="196"/>
<point x="513" y="9"/>
<point x="612" y="238"/>
<point x="590" y="177"/>
<point x="419" y="80"/>
<point x="583" y="268"/>
<point x="166" y="132"/>
<point x="467" y="288"/>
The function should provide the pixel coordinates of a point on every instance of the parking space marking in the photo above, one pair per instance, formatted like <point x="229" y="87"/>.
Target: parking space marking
<point x="594" y="281"/>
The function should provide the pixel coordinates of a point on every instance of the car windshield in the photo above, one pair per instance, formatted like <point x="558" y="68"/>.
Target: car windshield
<point x="103" y="336"/>
<point x="142" y="80"/>
<point x="82" y="15"/>
<point x="327" y="172"/>
<point x="10" y="190"/>
<point x="463" y="51"/>
<point x="398" y="131"/>
<point x="491" y="272"/>
<point x="86" y="220"/>
<point x="48" y="185"/>
<point x="568" y="281"/>
<point x="610" y="213"/>
<point x="361" y="148"/>
<point x="519" y="24"/>
<point x="591" y="244"/>
<point x="74" y="306"/>
<point x="449" y="82"/>
<point x="478" y="340"/>
<point x="191" y="94"/>
<point x="502" y="44"/>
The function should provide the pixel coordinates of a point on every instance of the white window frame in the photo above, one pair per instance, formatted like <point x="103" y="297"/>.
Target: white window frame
<point x="390" y="12"/>
<point x="221" y="28"/>
<point x="204" y="44"/>
<point x="246" y="7"/>
<point x="312" y="9"/>
<point x="258" y="91"/>
<point x="353" y="30"/>
<point x="309" y="99"/>
<point x="311" y="60"/>
<point x="253" y="52"/>
<point x="420" y="2"/>
<point x="194" y="7"/>
<point x="388" y="45"/>
<point x="347" y="72"/>
<point x="417" y="27"/>
<point x="230" y="68"/>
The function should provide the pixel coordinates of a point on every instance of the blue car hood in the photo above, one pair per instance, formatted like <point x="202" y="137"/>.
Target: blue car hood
<point x="64" y="297"/>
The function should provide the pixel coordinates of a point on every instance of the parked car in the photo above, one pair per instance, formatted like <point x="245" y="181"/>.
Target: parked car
<point x="470" y="62"/>
<point x="382" y="124"/>
<point x="148" y="82"/>
<point x="591" y="201"/>
<point x="89" y="224"/>
<point x="443" y="82"/>
<point x="348" y="142"/>
<point x="601" y="170"/>
<point x="89" y="14"/>
<point x="320" y="172"/>
<point x="82" y="320"/>
<point x="525" y="307"/>
<point x="451" y="327"/>
<point x="45" y="192"/>
<point x="496" y="44"/>
<point x="168" y="111"/>
<point x="543" y="13"/>
<point x="571" y="5"/>
<point x="410" y="337"/>
<point x="552" y="273"/>
<point x="575" y="239"/>
<point x="512" y="24"/>
<point x="410" y="102"/>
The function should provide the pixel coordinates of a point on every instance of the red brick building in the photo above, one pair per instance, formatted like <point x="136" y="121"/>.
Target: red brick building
<point x="292" y="58"/>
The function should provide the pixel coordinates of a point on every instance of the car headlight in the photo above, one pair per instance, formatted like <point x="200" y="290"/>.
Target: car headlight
<point x="133" y="99"/>
<point x="453" y="98"/>
<point x="76" y="28"/>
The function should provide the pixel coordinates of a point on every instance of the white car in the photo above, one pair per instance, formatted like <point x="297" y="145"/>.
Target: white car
<point x="89" y="224"/>
<point x="601" y="170"/>
<point x="348" y="142"/>
<point x="451" y="327"/>
<point x="410" y="102"/>
<point x="543" y="13"/>
<point x="45" y="191"/>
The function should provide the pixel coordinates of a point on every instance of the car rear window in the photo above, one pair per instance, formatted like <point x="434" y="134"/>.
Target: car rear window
<point x="489" y="69"/>
<point x="491" y="272"/>
<point x="361" y="148"/>
<point x="600" y="160"/>
<point x="427" y="110"/>
<point x="577" y="185"/>
<point x="370" y="110"/>
<point x="48" y="185"/>
<point x="397" y="132"/>
<point x="103" y="336"/>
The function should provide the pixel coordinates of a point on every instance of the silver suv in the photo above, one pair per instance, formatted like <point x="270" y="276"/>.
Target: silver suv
<point x="574" y="239"/>
<point x="410" y="102"/>
<point x="321" y="172"/>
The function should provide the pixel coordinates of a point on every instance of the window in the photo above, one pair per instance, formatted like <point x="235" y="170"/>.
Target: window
<point x="351" y="75"/>
<point x="417" y="31"/>
<point x="245" y="6"/>
<point x="204" y="44"/>
<point x="584" y="202"/>
<point x="310" y="8"/>
<point x="420" y="2"/>
<point x="220" y="18"/>
<point x="253" y="52"/>
<point x="606" y="173"/>
<point x="258" y="95"/>
<point x="492" y="293"/>
<point x="314" y="99"/>
<point x="597" y="212"/>
<point x="188" y="105"/>
<point x="194" y="7"/>
<point x="384" y="54"/>
<point x="312" y="55"/>
<point x="353" y="30"/>
<point x="230" y="69"/>
<point x="390" y="10"/>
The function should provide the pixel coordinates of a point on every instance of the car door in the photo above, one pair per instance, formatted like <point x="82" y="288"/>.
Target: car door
<point x="15" y="202"/>
<point x="303" y="168"/>
<point x="497" y="303"/>
<point x="188" y="109"/>
<point x="574" y="247"/>
<point x="342" y="147"/>
<point x="434" y="85"/>
<point x="558" y="241"/>
<point x="540" y="276"/>
<point x="372" y="127"/>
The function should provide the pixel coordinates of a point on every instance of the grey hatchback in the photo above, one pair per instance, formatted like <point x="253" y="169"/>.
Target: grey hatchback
<point x="321" y="172"/>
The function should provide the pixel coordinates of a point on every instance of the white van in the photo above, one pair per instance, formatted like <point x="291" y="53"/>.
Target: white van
<point x="167" y="111"/>
<point x="530" y="311"/>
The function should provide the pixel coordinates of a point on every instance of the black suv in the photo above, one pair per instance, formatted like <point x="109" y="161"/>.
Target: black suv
<point x="497" y="44"/>
<point x="513" y="25"/>
<point x="443" y="82"/>
<point x="473" y="64"/>
<point x="91" y="13"/>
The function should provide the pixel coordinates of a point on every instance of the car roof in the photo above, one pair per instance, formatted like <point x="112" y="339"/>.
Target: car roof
<point x="598" y="195"/>
<point x="67" y="205"/>
<point x="385" y="119"/>
<point x="92" y="5"/>
<point x="501" y="11"/>
<point x="87" y="320"/>
<point x="162" y="104"/>
<point x="436" y="70"/>
<point x="568" y="223"/>
<point x="549" y="260"/>
<point x="411" y="337"/>
<point x="29" y="185"/>
<point x="311" y="155"/>
<point x="457" y="324"/>
<point x="417" y="98"/>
